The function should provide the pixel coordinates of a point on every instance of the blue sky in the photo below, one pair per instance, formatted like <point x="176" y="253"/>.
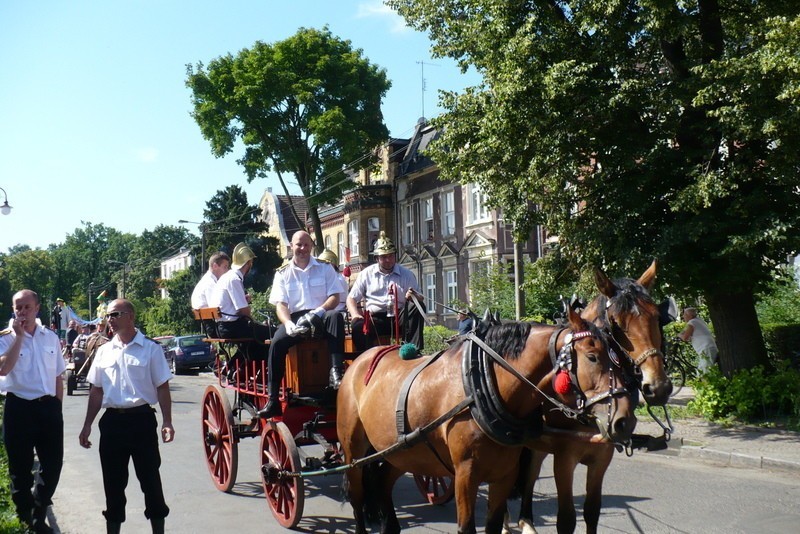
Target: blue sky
<point x="94" y="113"/>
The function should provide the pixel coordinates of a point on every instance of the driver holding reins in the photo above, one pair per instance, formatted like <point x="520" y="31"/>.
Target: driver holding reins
<point x="386" y="289"/>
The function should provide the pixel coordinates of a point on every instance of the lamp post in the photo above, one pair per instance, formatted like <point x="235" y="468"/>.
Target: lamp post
<point x="124" y="273"/>
<point x="5" y="209"/>
<point x="202" y="227"/>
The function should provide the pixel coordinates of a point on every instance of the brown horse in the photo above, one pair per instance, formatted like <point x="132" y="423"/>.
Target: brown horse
<point x="629" y="318"/>
<point x="369" y="412"/>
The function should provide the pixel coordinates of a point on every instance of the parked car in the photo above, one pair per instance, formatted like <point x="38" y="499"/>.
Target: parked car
<point x="188" y="352"/>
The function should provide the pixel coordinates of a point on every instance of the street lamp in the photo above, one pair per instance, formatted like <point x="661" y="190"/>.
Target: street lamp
<point x="202" y="241"/>
<point x="124" y="272"/>
<point x="5" y="209"/>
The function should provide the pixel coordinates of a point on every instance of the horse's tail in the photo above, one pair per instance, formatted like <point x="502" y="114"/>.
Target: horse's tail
<point x="371" y="476"/>
<point x="370" y="480"/>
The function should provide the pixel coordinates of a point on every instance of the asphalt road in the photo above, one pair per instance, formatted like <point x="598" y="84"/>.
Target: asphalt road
<point x="648" y="493"/>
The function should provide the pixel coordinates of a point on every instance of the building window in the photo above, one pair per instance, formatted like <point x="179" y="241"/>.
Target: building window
<point x="352" y="234"/>
<point x="449" y="213"/>
<point x="479" y="268"/>
<point x="329" y="243"/>
<point x="451" y="279"/>
<point x="427" y="220"/>
<point x="340" y="242"/>
<point x="373" y="224"/>
<point x="477" y="204"/>
<point x="430" y="292"/>
<point x="408" y="224"/>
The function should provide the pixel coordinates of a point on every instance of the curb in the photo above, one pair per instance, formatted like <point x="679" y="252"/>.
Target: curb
<point x="734" y="459"/>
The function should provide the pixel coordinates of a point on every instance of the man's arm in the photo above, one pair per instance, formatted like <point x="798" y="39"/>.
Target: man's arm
<point x="60" y="387"/>
<point x="11" y="356"/>
<point x="165" y="403"/>
<point x="686" y="333"/>
<point x="352" y="307"/>
<point x="92" y="407"/>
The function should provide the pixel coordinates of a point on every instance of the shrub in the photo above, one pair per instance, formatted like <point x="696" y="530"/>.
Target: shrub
<point x="435" y="338"/>
<point x="782" y="342"/>
<point x="749" y="394"/>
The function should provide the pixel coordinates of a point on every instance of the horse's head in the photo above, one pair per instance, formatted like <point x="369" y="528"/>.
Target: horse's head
<point x="631" y="318"/>
<point x="588" y="379"/>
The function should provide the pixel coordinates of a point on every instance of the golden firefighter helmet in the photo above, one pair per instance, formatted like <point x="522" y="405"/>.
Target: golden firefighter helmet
<point x="384" y="245"/>
<point x="329" y="256"/>
<point x="241" y="255"/>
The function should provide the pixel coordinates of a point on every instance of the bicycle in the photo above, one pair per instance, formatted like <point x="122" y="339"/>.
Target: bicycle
<point x="679" y="359"/>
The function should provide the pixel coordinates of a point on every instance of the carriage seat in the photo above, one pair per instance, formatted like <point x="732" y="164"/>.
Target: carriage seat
<point x="209" y="317"/>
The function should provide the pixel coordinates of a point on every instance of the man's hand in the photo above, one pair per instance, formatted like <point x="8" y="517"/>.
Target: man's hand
<point x="83" y="438"/>
<point x="167" y="433"/>
<point x="305" y="320"/>
<point x="294" y="330"/>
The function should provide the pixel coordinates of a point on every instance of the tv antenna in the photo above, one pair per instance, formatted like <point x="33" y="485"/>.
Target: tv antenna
<point x="422" y="76"/>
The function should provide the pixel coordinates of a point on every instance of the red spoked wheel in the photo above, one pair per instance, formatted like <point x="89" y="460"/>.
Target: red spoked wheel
<point x="219" y="442"/>
<point x="285" y="494"/>
<point x="437" y="490"/>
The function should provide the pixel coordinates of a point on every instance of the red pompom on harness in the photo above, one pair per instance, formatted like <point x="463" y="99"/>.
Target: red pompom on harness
<point x="563" y="383"/>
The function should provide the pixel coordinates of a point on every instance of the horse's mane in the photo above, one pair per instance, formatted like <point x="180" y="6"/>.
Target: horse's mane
<point x="508" y="339"/>
<point x="627" y="300"/>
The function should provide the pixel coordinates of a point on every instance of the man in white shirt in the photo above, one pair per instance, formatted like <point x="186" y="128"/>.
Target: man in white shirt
<point x="305" y="293"/>
<point x="129" y="374"/>
<point x="698" y="333"/>
<point x="234" y="304"/>
<point x="386" y="288"/>
<point x="218" y="264"/>
<point x="30" y="377"/>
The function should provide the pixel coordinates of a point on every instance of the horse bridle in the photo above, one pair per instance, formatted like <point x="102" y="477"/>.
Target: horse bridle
<point x="647" y="353"/>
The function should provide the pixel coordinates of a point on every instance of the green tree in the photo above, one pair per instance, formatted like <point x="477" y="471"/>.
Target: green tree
<point x="307" y="106"/>
<point x="233" y="220"/>
<point x="31" y="269"/>
<point x="171" y="315"/>
<point x="144" y="260"/>
<point x="641" y="129"/>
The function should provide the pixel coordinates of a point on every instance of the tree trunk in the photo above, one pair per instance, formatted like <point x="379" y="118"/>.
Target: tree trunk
<point x="313" y="212"/>
<point x="736" y="329"/>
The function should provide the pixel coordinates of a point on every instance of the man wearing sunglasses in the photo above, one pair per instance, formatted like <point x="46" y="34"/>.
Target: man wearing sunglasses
<point x="129" y="375"/>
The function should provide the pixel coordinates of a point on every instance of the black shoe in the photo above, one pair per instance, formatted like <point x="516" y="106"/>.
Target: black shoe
<point x="336" y="377"/>
<point x="272" y="409"/>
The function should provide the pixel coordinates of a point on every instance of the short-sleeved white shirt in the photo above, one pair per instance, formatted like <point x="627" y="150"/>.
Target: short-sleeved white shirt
<point x="228" y="295"/>
<point x="129" y="374"/>
<point x="201" y="296"/>
<point x="305" y="289"/>
<point x="373" y="285"/>
<point x="40" y="362"/>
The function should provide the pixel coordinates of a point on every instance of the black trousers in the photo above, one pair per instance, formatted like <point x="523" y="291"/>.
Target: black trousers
<point x="30" y="425"/>
<point x="126" y="436"/>
<point x="244" y="327"/>
<point x="282" y="342"/>
<point x="412" y="325"/>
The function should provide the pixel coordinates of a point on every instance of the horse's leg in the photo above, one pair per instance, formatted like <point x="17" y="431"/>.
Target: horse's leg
<point x="354" y="443"/>
<point x="389" y="475"/>
<point x="466" y="494"/>
<point x="499" y="492"/>
<point x="594" y="489"/>
<point x="354" y="491"/>
<point x="530" y="465"/>
<point x="564" y="469"/>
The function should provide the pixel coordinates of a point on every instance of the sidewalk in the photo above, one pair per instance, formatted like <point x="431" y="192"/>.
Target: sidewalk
<point x="741" y="446"/>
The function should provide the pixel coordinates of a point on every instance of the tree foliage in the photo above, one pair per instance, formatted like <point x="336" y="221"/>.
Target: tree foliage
<point x="640" y="129"/>
<point x="231" y="220"/>
<point x="308" y="106"/>
<point x="149" y="250"/>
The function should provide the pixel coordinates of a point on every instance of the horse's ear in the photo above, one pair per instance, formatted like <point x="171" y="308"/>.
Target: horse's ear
<point x="487" y="316"/>
<point x="575" y="321"/>
<point x="604" y="283"/>
<point x="648" y="278"/>
<point x="496" y="317"/>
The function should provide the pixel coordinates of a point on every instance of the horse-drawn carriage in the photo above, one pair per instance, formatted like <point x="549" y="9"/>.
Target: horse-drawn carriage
<point x="461" y="417"/>
<point x="79" y="362"/>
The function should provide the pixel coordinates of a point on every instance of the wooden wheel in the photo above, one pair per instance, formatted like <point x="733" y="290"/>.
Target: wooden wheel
<point x="437" y="490"/>
<point x="219" y="442"/>
<point x="285" y="495"/>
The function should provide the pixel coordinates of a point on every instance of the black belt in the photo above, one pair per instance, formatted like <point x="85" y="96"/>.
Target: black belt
<point x="142" y="408"/>
<point x="43" y="398"/>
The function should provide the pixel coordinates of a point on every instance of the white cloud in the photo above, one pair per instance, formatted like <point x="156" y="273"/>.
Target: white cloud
<point x="147" y="154"/>
<point x="378" y="10"/>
